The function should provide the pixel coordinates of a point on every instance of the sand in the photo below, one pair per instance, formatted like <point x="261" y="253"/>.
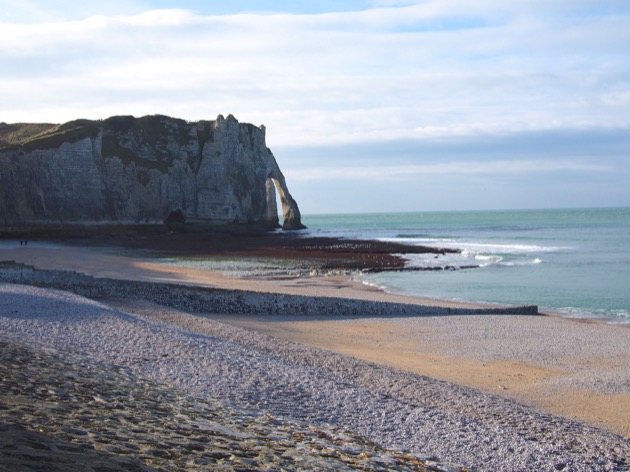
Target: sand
<point x="576" y="369"/>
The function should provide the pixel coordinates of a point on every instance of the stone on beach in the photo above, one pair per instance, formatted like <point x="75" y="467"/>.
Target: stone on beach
<point x="65" y="412"/>
<point x="211" y="361"/>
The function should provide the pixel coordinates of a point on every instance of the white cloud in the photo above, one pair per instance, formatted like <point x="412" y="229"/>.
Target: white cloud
<point x="462" y="74"/>
<point x="425" y="69"/>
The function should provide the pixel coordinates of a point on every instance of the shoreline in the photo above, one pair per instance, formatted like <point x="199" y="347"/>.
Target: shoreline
<point x="506" y="373"/>
<point x="303" y="264"/>
<point x="325" y="271"/>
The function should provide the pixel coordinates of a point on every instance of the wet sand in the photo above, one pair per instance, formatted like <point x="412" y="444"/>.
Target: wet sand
<point x="576" y="369"/>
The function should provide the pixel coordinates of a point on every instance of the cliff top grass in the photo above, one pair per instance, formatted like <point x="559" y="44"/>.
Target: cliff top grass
<point x="35" y="136"/>
<point x="17" y="133"/>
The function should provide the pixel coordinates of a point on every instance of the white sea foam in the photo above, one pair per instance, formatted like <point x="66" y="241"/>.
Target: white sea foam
<point x="371" y="284"/>
<point x="437" y="261"/>
<point x="419" y="241"/>
<point x="478" y="247"/>
<point x="485" y="260"/>
<point x="500" y="248"/>
<point x="481" y="254"/>
<point x="614" y="317"/>
<point x="464" y="259"/>
<point x="524" y="262"/>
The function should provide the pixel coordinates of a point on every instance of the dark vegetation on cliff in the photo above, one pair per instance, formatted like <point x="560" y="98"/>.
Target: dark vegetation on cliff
<point x="34" y="136"/>
<point x="151" y="130"/>
<point x="16" y="134"/>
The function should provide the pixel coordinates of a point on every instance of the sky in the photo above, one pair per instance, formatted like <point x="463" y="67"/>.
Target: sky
<point x="369" y="105"/>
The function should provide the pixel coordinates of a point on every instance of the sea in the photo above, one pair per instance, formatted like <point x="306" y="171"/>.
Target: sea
<point x="571" y="262"/>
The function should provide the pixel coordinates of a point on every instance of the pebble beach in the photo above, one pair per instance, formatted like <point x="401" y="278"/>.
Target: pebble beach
<point x="147" y="383"/>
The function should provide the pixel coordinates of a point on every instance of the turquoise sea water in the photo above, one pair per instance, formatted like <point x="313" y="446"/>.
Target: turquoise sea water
<point x="574" y="262"/>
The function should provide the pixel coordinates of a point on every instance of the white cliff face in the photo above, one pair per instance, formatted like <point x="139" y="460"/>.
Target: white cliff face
<point x="139" y="171"/>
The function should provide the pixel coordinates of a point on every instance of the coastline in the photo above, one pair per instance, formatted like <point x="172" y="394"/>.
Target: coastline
<point x="326" y="270"/>
<point x="491" y="353"/>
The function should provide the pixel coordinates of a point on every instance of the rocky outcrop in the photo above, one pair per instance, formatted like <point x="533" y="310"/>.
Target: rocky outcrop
<point x="148" y="171"/>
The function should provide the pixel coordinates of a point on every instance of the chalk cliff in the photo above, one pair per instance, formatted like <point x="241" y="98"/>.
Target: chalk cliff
<point x="139" y="171"/>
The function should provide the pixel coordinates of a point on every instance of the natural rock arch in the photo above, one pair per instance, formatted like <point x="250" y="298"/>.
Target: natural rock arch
<point x="291" y="217"/>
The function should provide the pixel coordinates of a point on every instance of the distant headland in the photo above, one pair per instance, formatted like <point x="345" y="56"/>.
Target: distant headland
<point x="89" y="176"/>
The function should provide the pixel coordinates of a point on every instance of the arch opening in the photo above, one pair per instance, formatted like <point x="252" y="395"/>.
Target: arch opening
<point x="291" y="218"/>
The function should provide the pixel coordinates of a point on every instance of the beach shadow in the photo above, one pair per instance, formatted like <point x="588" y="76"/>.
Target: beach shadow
<point x="31" y="303"/>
